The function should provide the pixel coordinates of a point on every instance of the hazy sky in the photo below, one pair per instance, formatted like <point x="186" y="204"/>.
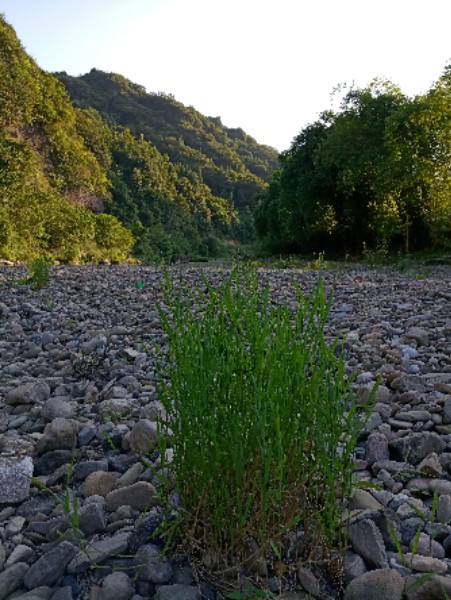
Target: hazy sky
<point x="268" y="66"/>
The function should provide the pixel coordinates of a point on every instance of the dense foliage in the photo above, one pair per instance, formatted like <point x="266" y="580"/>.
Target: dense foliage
<point x="375" y="175"/>
<point x="218" y="168"/>
<point x="71" y="176"/>
<point x="242" y="400"/>
<point x="50" y="181"/>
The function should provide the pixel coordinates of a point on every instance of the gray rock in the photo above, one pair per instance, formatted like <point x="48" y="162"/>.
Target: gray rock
<point x="153" y="411"/>
<point x="366" y="540"/>
<point x="446" y="413"/>
<point x="38" y="504"/>
<point x="21" y="553"/>
<point x="410" y="508"/>
<point x="86" y="435"/>
<point x="177" y="591"/>
<point x="409" y="528"/>
<point x="386" y="584"/>
<point x="50" y="461"/>
<point x="33" y="392"/>
<point x="155" y="567"/>
<point x="58" y="406"/>
<point x="40" y="593"/>
<point x="92" y="518"/>
<point x="116" y="586"/>
<point x="51" y="566"/>
<point x="11" y="579"/>
<point x="64" y="593"/>
<point x="309" y="582"/>
<point x="120" y="406"/>
<point x="422" y="484"/>
<point x="15" y="476"/>
<point x="425" y="564"/>
<point x="435" y="587"/>
<point x="413" y="415"/>
<point x="141" y="496"/>
<point x="389" y="524"/>
<point x="83" y="469"/>
<point x="444" y="508"/>
<point x="416" y="446"/>
<point x="60" y="434"/>
<point x="117" y="391"/>
<point x="431" y="465"/>
<point x="14" y="526"/>
<point x="99" y="551"/>
<point x="410" y="383"/>
<point x="428" y="547"/>
<point x="374" y="421"/>
<point x="376" y="448"/>
<point x="146" y="531"/>
<point x="353" y="566"/>
<point x="143" y="437"/>
<point x="131" y="475"/>
<point x="418" y="335"/>
<point x="362" y="500"/>
<point x="2" y="556"/>
<point x="15" y="445"/>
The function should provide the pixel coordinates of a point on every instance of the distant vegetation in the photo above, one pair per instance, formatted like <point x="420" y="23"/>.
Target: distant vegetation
<point x="373" y="177"/>
<point x="94" y="167"/>
<point x="52" y="187"/>
<point x="90" y="179"/>
<point x="183" y="182"/>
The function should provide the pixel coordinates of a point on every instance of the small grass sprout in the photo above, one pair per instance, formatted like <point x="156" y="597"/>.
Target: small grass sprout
<point x="68" y="502"/>
<point x="408" y="564"/>
<point x="261" y="418"/>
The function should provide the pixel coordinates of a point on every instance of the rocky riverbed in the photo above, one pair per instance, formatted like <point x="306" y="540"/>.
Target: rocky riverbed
<point x="78" y="401"/>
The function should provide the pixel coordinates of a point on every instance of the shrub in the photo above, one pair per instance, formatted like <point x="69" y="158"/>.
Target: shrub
<point x="262" y="421"/>
<point x="113" y="240"/>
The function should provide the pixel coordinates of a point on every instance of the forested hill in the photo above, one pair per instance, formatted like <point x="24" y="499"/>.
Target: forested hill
<point x="52" y="185"/>
<point x="79" y="182"/>
<point x="230" y="162"/>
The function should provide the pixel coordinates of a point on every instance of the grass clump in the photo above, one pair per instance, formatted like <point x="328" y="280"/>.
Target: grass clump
<point x="38" y="272"/>
<point x="262" y="422"/>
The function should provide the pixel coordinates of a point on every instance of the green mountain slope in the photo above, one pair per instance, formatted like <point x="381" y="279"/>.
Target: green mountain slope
<point x="49" y="178"/>
<point x="75" y="171"/>
<point x="230" y="162"/>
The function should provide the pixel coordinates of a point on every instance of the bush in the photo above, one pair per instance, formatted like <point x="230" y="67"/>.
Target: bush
<point x="113" y="240"/>
<point x="262" y="421"/>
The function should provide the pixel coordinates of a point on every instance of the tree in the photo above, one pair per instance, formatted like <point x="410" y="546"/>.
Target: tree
<point x="377" y="173"/>
<point x="419" y="139"/>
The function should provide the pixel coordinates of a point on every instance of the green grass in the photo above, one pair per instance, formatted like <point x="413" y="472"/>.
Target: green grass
<point x="38" y="272"/>
<point x="262" y="421"/>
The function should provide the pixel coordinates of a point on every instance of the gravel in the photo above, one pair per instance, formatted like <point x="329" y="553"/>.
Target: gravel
<point x="78" y="398"/>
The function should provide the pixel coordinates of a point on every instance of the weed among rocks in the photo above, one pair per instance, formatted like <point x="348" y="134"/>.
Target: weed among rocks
<point x="263" y="425"/>
<point x="38" y="272"/>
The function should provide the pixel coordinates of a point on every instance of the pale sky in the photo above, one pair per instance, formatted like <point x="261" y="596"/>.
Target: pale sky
<point x="268" y="66"/>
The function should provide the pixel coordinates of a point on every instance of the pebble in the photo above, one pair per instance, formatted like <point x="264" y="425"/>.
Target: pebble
<point x="375" y="585"/>
<point x="78" y="410"/>
<point x="116" y="586"/>
<point x="15" y="476"/>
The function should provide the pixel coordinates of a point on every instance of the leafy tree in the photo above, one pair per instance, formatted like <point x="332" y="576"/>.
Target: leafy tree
<point x="419" y="138"/>
<point x="378" y="172"/>
<point x="355" y="149"/>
